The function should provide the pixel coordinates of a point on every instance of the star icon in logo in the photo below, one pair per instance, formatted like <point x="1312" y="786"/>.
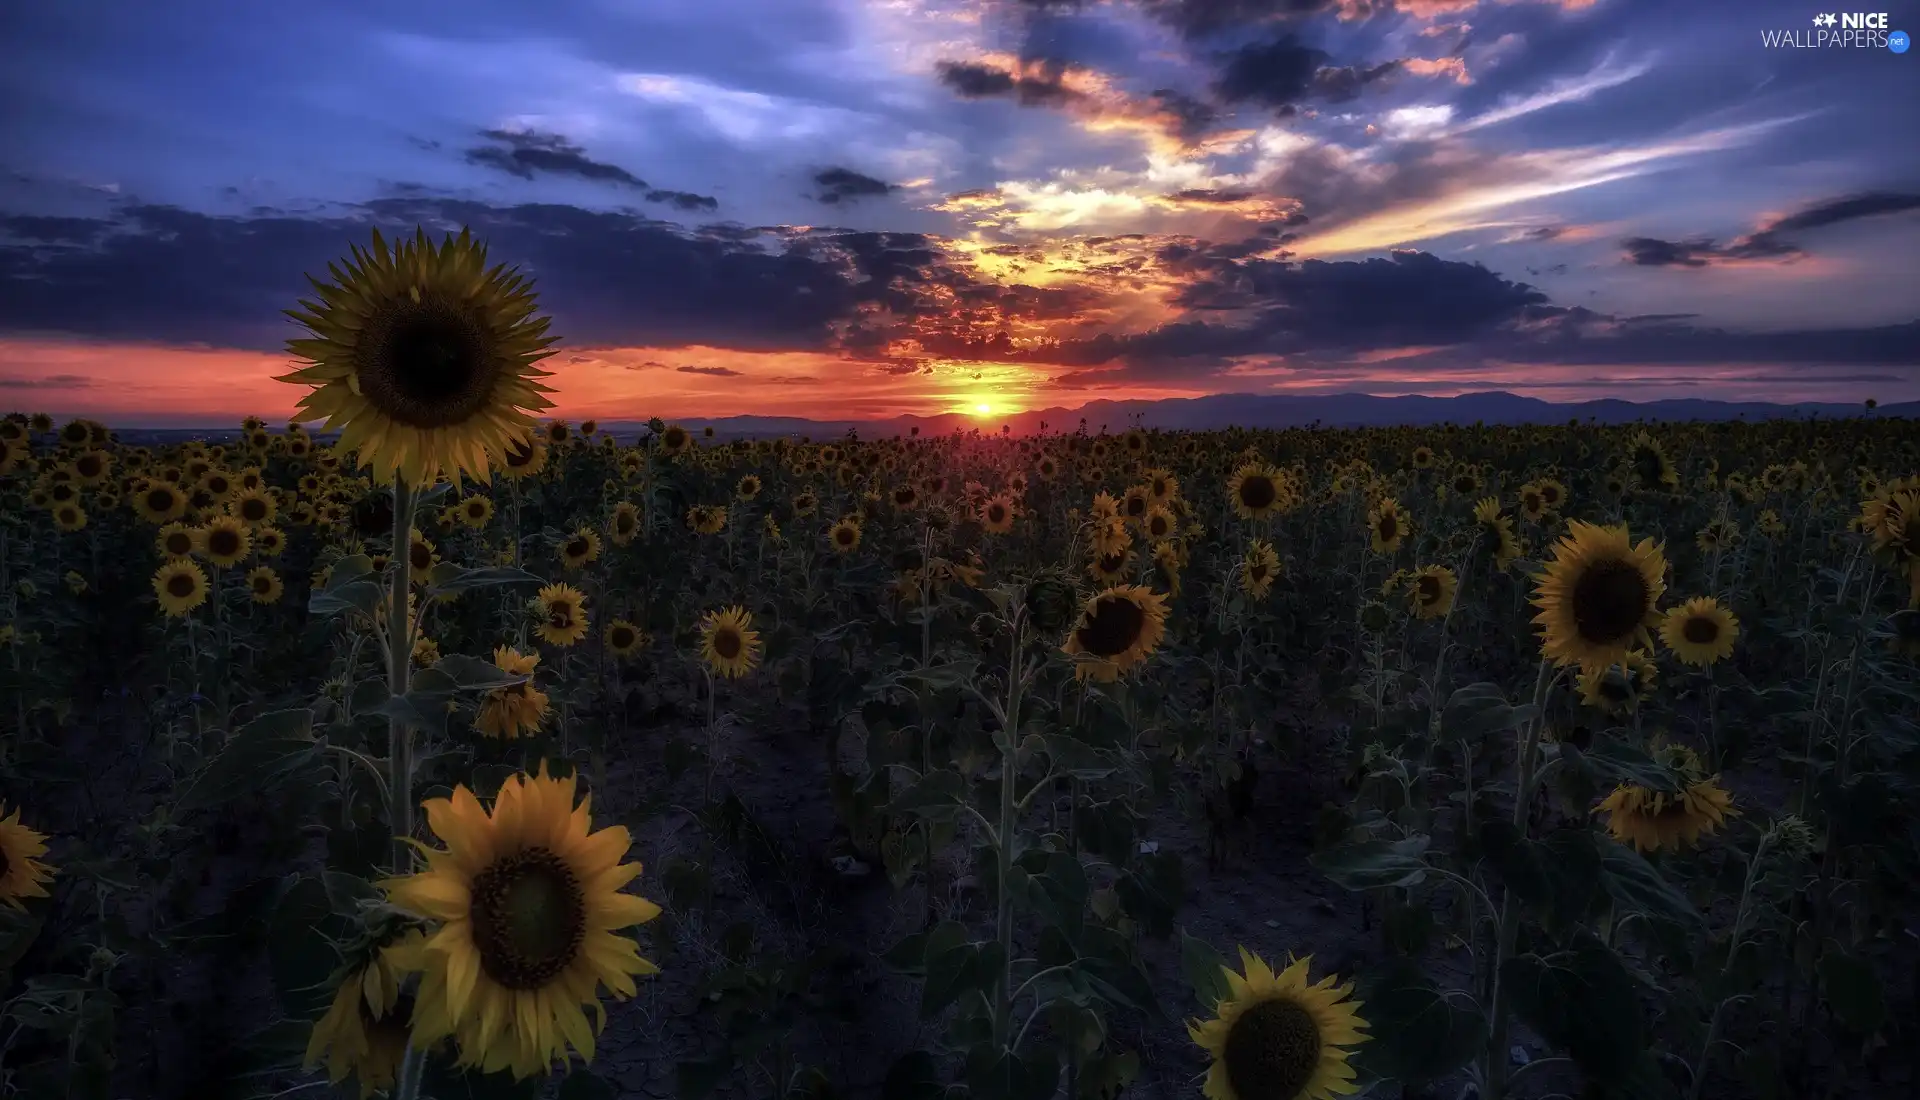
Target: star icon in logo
<point x="1824" y="20"/>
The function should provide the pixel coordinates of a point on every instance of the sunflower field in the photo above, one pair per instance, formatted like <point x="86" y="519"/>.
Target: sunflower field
<point x="430" y="747"/>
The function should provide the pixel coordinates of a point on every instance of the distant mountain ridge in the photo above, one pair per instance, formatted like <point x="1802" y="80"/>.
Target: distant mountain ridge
<point x="1215" y="411"/>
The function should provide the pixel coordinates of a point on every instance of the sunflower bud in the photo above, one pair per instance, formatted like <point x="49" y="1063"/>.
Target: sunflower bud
<point x="1051" y="604"/>
<point x="1373" y="618"/>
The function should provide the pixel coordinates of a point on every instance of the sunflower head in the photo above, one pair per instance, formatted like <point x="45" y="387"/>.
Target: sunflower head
<point x="423" y="357"/>
<point x="728" y="643"/>
<point x="1280" y="1036"/>
<point x="561" y="613"/>
<point x="22" y="874"/>
<point x="1598" y="596"/>
<point x="1118" y="629"/>
<point x="1700" y="632"/>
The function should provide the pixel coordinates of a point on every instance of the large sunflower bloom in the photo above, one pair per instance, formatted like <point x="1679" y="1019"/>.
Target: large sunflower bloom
<point x="1119" y="627"/>
<point x="1279" y="1037"/>
<point x="517" y="709"/>
<point x="1256" y="490"/>
<point x="529" y="903"/>
<point x="180" y="585"/>
<point x="728" y="643"/>
<point x="423" y="358"/>
<point x="1598" y="596"/>
<point x="224" y="541"/>
<point x="1700" y="632"/>
<point x="22" y="875"/>
<point x="364" y="1032"/>
<point x="563" y="614"/>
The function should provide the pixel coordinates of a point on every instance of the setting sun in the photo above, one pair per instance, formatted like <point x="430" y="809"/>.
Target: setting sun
<point x="983" y="409"/>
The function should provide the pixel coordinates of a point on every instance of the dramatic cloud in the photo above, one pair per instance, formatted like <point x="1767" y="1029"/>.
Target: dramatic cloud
<point x="838" y="185"/>
<point x="920" y="205"/>
<point x="528" y="152"/>
<point x="1767" y="243"/>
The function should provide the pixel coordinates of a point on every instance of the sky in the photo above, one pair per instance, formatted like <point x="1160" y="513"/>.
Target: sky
<point x="868" y="208"/>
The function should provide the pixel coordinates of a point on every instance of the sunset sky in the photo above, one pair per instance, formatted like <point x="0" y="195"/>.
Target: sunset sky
<point x="863" y="208"/>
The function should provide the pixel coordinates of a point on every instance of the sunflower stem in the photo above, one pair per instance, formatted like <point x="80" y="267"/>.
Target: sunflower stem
<point x="1507" y="931"/>
<point x="399" y="672"/>
<point x="412" y="1070"/>
<point x="1009" y="776"/>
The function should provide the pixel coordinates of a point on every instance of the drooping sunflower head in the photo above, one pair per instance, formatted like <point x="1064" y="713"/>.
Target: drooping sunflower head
<point x="514" y="710"/>
<point x="707" y="519"/>
<point x="423" y="357"/>
<point x="364" y="1032"/>
<point x="1599" y="596"/>
<point x="22" y="874"/>
<point x="1118" y="629"/>
<point x="561" y="610"/>
<point x="1700" y="631"/>
<point x="1618" y="689"/>
<point x="728" y="643"/>
<point x="1280" y="1036"/>
<point x="1651" y="820"/>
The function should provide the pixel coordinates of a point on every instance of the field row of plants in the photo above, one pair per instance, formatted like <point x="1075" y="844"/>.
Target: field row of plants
<point x="334" y="732"/>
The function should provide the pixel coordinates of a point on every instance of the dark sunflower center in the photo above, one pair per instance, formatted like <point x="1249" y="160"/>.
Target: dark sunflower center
<point x="253" y="509"/>
<point x="622" y="637"/>
<point x="179" y="544"/>
<point x="1257" y="492"/>
<point x="674" y="439"/>
<point x="1112" y="563"/>
<point x="428" y="364"/>
<point x="6" y="863"/>
<point x="1609" y="602"/>
<point x="727" y="643"/>
<point x="844" y="536"/>
<point x="1428" y="589"/>
<point x="1389" y="527"/>
<point x="1257" y="572"/>
<point x="1532" y="502"/>
<point x="476" y="509"/>
<point x="1113" y="628"/>
<point x="577" y="548"/>
<point x="222" y="543"/>
<point x="996" y="514"/>
<point x="180" y="586"/>
<point x="623" y="522"/>
<point x="560" y="615"/>
<point x="263" y="585"/>
<point x="1272" y="1051"/>
<point x="529" y="918"/>
<point x="1700" y="630"/>
<point x="1136" y="507"/>
<point x="88" y="466"/>
<point x="419" y="555"/>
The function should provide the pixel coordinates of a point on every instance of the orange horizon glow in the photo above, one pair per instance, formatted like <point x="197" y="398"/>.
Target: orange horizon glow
<point x="145" y="385"/>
